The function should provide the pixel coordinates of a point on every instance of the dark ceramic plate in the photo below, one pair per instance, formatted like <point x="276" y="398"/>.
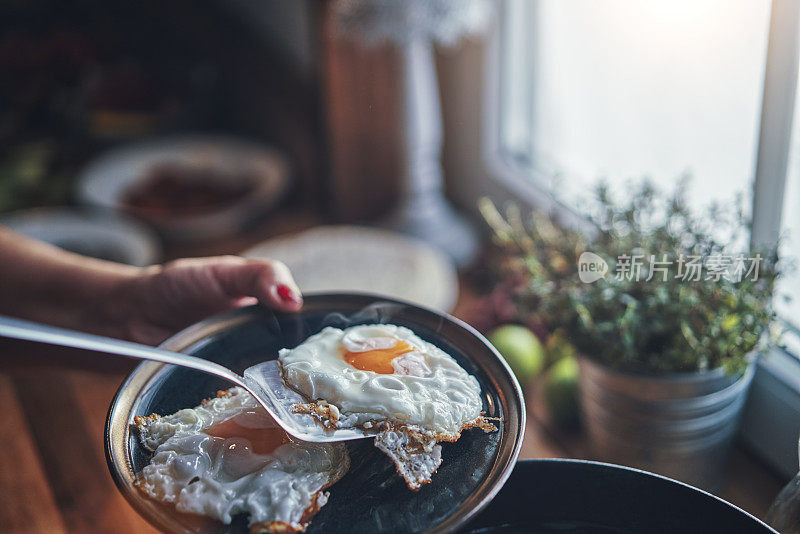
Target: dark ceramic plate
<point x="371" y="497"/>
<point x="577" y="496"/>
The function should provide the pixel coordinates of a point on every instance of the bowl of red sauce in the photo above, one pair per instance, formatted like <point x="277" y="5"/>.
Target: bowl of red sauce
<point x="188" y="188"/>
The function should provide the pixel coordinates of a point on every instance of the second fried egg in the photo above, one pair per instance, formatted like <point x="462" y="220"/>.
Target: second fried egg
<point x="227" y="457"/>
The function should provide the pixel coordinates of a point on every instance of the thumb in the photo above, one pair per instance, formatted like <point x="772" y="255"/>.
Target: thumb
<point x="269" y="281"/>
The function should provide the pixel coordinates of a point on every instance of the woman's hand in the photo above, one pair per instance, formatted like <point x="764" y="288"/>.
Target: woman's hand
<point x="42" y="283"/>
<point x="161" y="300"/>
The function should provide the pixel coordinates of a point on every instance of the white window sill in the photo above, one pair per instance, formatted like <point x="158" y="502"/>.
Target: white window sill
<point x="771" y="420"/>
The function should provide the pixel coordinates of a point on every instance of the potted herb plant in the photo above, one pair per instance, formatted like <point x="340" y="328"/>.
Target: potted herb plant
<point x="668" y="311"/>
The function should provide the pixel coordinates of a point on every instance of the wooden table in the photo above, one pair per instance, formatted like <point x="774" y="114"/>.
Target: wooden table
<point x="53" y="474"/>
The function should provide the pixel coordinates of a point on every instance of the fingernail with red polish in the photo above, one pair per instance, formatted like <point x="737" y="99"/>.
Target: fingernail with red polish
<point x="287" y="295"/>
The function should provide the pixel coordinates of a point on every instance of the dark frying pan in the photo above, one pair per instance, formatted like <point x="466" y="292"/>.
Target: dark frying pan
<point x="577" y="496"/>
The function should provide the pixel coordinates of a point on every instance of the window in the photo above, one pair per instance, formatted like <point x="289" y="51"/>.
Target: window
<point x="790" y="230"/>
<point x="621" y="89"/>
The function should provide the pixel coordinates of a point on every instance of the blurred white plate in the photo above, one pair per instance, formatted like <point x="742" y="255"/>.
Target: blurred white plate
<point x="105" y="181"/>
<point x="100" y="235"/>
<point x="359" y="259"/>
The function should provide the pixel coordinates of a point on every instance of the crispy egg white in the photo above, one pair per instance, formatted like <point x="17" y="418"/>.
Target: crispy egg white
<point x="227" y="457"/>
<point x="384" y="376"/>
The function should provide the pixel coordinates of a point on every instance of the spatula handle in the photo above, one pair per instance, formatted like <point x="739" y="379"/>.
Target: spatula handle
<point x="29" y="331"/>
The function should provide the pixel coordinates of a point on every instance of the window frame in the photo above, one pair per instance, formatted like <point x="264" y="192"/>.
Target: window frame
<point x="771" y="420"/>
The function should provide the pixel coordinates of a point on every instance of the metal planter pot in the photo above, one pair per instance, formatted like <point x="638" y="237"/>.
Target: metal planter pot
<point x="680" y="425"/>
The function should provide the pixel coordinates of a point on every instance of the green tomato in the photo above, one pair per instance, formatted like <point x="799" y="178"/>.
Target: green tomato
<point x="521" y="349"/>
<point x="561" y="392"/>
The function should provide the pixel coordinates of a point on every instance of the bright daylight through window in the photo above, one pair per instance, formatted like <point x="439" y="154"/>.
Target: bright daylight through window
<point x="605" y="92"/>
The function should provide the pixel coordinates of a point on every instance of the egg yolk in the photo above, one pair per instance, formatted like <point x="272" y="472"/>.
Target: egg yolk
<point x="378" y="360"/>
<point x="262" y="440"/>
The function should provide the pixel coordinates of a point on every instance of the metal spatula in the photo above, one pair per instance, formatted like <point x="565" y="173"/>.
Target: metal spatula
<point x="262" y="381"/>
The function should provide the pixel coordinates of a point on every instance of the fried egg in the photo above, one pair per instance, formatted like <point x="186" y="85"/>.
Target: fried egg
<point x="227" y="457"/>
<point x="385" y="377"/>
